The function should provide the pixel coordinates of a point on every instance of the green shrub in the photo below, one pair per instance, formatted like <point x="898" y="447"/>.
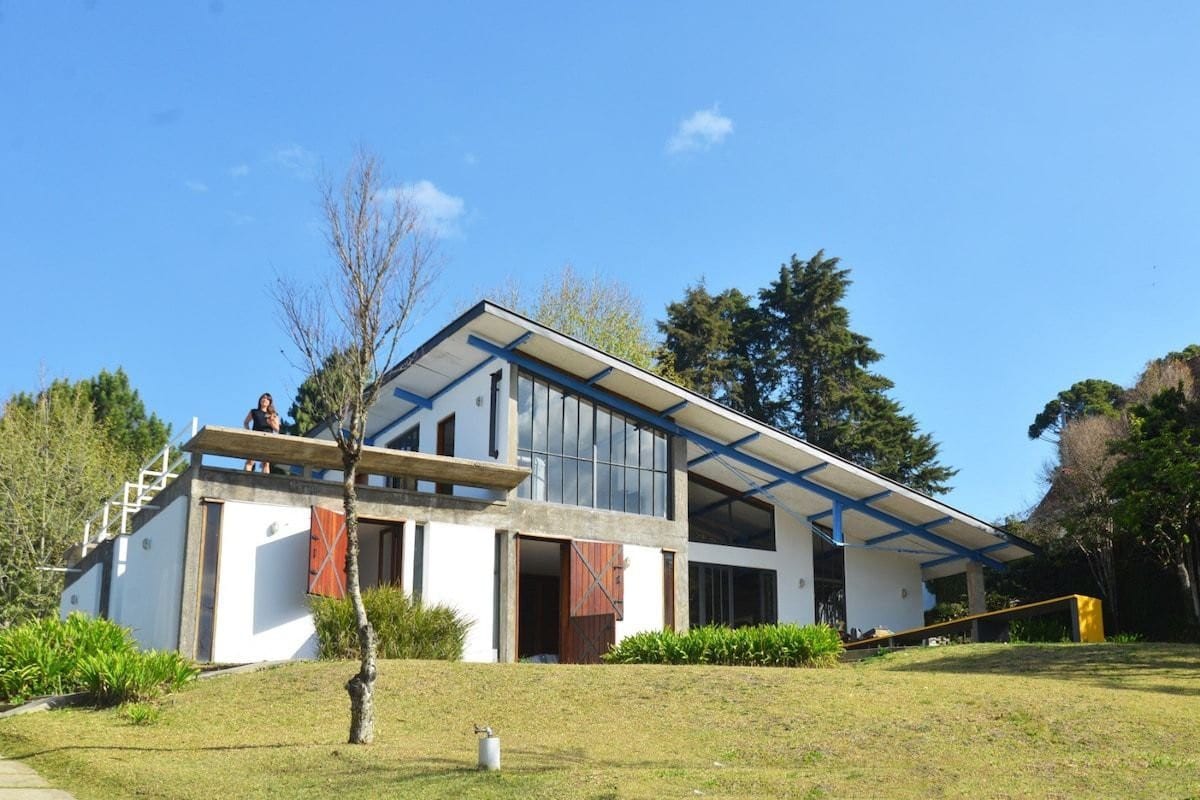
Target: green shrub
<point x="403" y="628"/>
<point x="140" y="713"/>
<point x="82" y="653"/>
<point x="1124" y="638"/>
<point x="1038" y="629"/>
<point x="784" y="645"/>
<point x="134" y="676"/>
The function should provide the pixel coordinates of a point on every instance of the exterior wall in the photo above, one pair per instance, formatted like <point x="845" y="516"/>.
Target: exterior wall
<point x="460" y="572"/>
<point x="83" y="594"/>
<point x="147" y="578"/>
<point x="875" y="581"/>
<point x="262" y="607"/>
<point x="643" y="581"/>
<point x="791" y="560"/>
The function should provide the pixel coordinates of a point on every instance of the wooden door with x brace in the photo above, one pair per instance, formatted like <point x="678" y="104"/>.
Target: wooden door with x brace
<point x="594" y="599"/>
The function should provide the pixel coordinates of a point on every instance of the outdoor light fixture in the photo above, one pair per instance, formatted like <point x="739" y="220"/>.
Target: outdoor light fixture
<point x="146" y="544"/>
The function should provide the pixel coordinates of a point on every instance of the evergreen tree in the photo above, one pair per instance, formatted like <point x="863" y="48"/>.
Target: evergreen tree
<point x="793" y="362"/>
<point x="1085" y="398"/>
<point x="117" y="408"/>
<point x="713" y="345"/>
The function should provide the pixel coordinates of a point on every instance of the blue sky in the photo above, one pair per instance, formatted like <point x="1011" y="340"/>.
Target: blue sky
<point x="1014" y="186"/>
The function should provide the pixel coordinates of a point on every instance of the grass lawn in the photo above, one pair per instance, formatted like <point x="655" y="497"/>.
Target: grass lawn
<point x="1022" y="721"/>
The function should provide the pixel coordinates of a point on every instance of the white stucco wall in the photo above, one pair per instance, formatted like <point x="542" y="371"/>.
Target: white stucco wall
<point x="791" y="560"/>
<point x="262" y="608"/>
<point x="643" y="580"/>
<point x="460" y="572"/>
<point x="875" y="581"/>
<point x="147" y="578"/>
<point x="84" y="594"/>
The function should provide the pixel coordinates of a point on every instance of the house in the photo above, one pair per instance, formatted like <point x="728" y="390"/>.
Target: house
<point x="558" y="496"/>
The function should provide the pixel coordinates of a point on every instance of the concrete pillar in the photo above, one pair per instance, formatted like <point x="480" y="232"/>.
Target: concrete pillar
<point x="976" y="599"/>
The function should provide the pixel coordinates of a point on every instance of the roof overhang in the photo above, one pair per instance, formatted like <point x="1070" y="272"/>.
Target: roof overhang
<point x="866" y="509"/>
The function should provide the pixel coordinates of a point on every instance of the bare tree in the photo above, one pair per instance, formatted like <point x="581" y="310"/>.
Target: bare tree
<point x="346" y="331"/>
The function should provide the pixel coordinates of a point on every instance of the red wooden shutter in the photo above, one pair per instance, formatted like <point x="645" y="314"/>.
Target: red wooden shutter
<point x="327" y="553"/>
<point x="596" y="600"/>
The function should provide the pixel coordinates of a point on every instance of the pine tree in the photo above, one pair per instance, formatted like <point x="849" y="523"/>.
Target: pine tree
<point x="793" y="362"/>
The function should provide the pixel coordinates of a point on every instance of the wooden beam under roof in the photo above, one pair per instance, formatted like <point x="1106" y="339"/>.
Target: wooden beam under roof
<point x="324" y="454"/>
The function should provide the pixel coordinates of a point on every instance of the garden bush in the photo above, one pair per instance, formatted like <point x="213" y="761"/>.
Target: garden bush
<point x="82" y="653"/>
<point x="784" y="645"/>
<point x="403" y="628"/>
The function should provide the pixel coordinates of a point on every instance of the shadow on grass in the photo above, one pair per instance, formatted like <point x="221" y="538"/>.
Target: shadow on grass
<point x="1169" y="669"/>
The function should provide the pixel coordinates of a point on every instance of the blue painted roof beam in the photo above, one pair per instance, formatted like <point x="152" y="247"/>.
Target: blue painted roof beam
<point x="713" y="453"/>
<point x="412" y="397"/>
<point x="391" y="425"/>
<point x="637" y="412"/>
<point x="991" y="548"/>
<point x="599" y="376"/>
<point x="520" y="340"/>
<point x="870" y="499"/>
<point x="675" y="409"/>
<point x="887" y="537"/>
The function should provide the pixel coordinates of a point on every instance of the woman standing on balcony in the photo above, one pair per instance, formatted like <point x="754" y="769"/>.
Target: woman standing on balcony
<point x="265" y="419"/>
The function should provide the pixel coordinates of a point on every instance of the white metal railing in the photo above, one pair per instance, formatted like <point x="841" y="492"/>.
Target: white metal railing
<point x="155" y="475"/>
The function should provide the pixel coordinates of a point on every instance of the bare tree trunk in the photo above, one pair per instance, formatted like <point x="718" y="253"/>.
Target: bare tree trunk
<point x="361" y="687"/>
<point x="1190" y="589"/>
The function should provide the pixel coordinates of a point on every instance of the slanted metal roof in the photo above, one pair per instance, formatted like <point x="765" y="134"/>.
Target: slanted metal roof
<point x="723" y="445"/>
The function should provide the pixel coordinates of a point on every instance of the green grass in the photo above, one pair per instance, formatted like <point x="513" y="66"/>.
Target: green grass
<point x="973" y="720"/>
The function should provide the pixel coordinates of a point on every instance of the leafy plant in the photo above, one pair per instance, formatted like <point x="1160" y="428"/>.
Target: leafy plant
<point x="134" y="676"/>
<point x="759" y="645"/>
<point x="1038" y="629"/>
<point x="405" y="629"/>
<point x="1124" y="638"/>
<point x="82" y="653"/>
<point x="140" y="713"/>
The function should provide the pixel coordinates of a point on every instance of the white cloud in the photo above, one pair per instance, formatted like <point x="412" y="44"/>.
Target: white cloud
<point x="295" y="159"/>
<point x="239" y="171"/>
<point x="196" y="186"/>
<point x="700" y="131"/>
<point x="240" y="219"/>
<point x="470" y="160"/>
<point x="440" y="212"/>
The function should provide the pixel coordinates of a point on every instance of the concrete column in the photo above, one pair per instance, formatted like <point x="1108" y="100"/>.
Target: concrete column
<point x="507" y="650"/>
<point x="976" y="600"/>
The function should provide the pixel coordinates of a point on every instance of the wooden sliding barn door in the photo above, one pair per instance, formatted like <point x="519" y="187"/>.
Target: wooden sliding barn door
<point x="595" y="595"/>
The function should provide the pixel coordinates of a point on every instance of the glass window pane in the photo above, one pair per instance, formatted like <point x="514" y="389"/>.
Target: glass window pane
<point x="631" y="444"/>
<point x="585" y="429"/>
<point x="645" y="491"/>
<point x="603" y="492"/>
<point x="523" y="461"/>
<point x="541" y="401"/>
<point x="660" y="494"/>
<point x="660" y="452"/>
<point x="603" y="435"/>
<point x="631" y="490"/>
<point x="646" y="448"/>
<point x="618" y="440"/>
<point x="616" y="499"/>
<point x="570" y="481"/>
<point x="554" y="479"/>
<point x="585" y="483"/>
<point x="554" y="414"/>
<point x="538" y="475"/>
<point x="570" y="426"/>
<point x="524" y="412"/>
